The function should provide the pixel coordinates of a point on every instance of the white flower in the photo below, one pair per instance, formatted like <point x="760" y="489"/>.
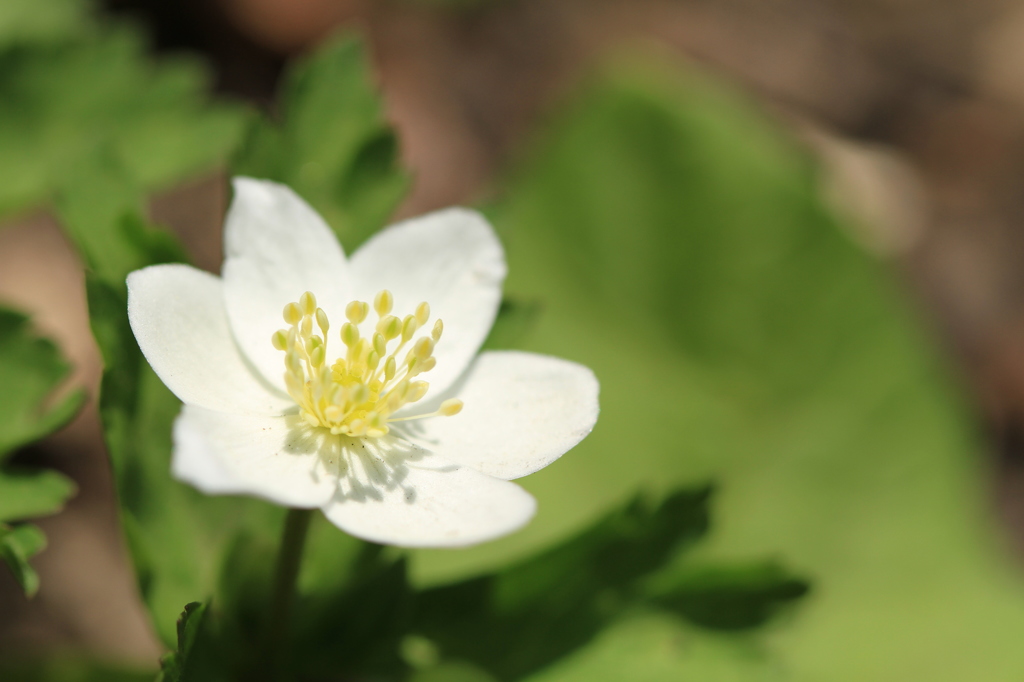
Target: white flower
<point x="303" y="374"/>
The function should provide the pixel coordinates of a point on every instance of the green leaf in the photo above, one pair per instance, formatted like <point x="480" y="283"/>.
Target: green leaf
<point x="728" y="597"/>
<point x="30" y="369"/>
<point x="682" y="251"/>
<point x="529" y="615"/>
<point x="34" y="23"/>
<point x="332" y="145"/>
<point x="62" y="669"/>
<point x="26" y="493"/>
<point x="80" y="92"/>
<point x="17" y="546"/>
<point x="175" y="665"/>
<point x="656" y="648"/>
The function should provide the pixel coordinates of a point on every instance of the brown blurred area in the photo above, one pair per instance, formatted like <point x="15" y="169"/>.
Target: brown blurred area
<point x="915" y="107"/>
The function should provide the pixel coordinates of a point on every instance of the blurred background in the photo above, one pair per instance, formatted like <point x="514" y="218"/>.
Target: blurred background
<point x="909" y="113"/>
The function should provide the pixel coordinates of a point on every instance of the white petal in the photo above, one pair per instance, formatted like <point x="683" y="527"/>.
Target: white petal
<point x="275" y="458"/>
<point x="177" y="315"/>
<point x="452" y="260"/>
<point x="521" y="412"/>
<point x="397" y="494"/>
<point x="277" y="247"/>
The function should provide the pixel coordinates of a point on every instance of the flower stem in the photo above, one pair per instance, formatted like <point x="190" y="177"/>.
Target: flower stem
<point x="286" y="573"/>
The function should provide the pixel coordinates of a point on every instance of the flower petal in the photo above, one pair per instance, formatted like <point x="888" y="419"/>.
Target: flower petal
<point x="177" y="315"/>
<point x="452" y="260"/>
<point x="276" y="247"/>
<point x="395" y="493"/>
<point x="275" y="458"/>
<point x="521" y="412"/>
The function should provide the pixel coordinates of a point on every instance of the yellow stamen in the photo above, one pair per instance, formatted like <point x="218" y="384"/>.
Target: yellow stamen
<point x="358" y="393"/>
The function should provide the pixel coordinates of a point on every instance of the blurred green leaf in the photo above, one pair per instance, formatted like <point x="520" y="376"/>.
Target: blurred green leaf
<point x="656" y="648"/>
<point x="332" y="145"/>
<point x="529" y="615"/>
<point x="30" y="370"/>
<point x="174" y="667"/>
<point x="728" y="597"/>
<point x="62" y="669"/>
<point x="17" y="546"/>
<point x="71" y="101"/>
<point x="34" y="23"/>
<point x="26" y="493"/>
<point x="682" y="251"/>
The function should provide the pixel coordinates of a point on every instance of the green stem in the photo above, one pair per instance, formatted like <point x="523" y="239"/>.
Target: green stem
<point x="286" y="573"/>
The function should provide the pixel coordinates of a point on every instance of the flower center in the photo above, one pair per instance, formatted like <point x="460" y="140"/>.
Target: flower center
<point x="358" y="393"/>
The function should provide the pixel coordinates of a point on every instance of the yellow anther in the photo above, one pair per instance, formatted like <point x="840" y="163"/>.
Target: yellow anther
<point x="321" y="321"/>
<point x="293" y="363"/>
<point x="390" y="326"/>
<point x="422" y="313"/>
<point x="424" y="348"/>
<point x="349" y="334"/>
<point x="292" y="313"/>
<point x="450" y="407"/>
<point x="359" y="393"/>
<point x="356" y="311"/>
<point x="307" y="303"/>
<point x="417" y="390"/>
<point x="380" y="344"/>
<point x="409" y="327"/>
<point x="383" y="302"/>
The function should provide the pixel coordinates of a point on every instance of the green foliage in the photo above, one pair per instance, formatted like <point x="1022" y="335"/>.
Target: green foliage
<point x="30" y="370"/>
<point x="681" y="250"/>
<point x="332" y="145"/>
<point x="17" y="546"/>
<point x="177" y="536"/>
<point x="174" y="666"/>
<point x="528" y="616"/>
<point x="58" y="669"/>
<point x="357" y="615"/>
<point x="74" y="92"/>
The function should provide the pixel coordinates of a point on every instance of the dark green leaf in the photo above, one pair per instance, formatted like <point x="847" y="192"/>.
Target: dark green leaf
<point x="332" y="145"/>
<point x="527" y="616"/>
<point x="729" y="597"/>
<point x="60" y="669"/>
<point x="174" y="667"/>
<point x="17" y="546"/>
